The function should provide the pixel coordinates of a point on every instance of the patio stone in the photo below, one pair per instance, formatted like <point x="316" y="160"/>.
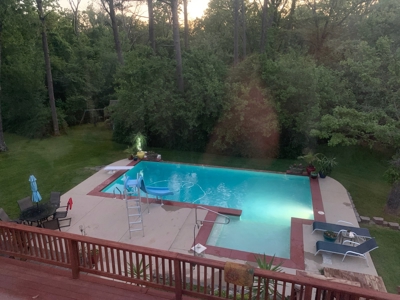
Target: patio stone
<point x="378" y="220"/>
<point x="365" y="219"/>
<point x="394" y="225"/>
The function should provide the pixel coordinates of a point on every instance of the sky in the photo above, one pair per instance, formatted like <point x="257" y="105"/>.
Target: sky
<point x="196" y="8"/>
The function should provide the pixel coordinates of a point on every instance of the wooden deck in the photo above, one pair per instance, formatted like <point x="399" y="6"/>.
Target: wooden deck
<point x="28" y="280"/>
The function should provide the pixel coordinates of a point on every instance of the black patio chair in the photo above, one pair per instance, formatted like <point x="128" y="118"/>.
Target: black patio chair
<point x="25" y="203"/>
<point x="4" y="217"/>
<point x="62" y="215"/>
<point x="55" y="198"/>
<point x="52" y="224"/>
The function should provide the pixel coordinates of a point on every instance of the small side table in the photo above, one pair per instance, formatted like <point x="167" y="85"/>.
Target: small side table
<point x="346" y="235"/>
<point x="199" y="250"/>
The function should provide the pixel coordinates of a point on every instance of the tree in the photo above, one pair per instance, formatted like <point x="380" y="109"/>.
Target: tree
<point x="3" y="146"/>
<point x="151" y="25"/>
<point x="350" y="127"/>
<point x="109" y="6"/>
<point x="185" y="18"/>
<point x="236" y="33"/>
<point x="326" y="18"/>
<point x="248" y="125"/>
<point x="75" y="10"/>
<point x="46" y="54"/>
<point x="177" y="41"/>
<point x="393" y="177"/>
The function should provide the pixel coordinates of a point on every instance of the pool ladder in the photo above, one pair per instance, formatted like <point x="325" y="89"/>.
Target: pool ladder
<point x="134" y="210"/>
<point x="199" y="223"/>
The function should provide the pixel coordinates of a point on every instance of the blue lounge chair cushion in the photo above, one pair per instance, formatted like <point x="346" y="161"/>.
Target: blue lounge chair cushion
<point x="322" y="226"/>
<point x="346" y="250"/>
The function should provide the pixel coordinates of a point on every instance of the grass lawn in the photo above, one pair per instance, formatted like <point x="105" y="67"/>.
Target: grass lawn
<point x="58" y="163"/>
<point x="386" y="257"/>
<point x="61" y="163"/>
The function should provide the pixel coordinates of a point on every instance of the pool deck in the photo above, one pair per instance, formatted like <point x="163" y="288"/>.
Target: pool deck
<point x="171" y="227"/>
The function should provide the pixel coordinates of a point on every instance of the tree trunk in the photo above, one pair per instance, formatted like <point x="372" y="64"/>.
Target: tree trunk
<point x="244" y="29"/>
<point x="75" y="11"/>
<point x="177" y="44"/>
<point x="48" y="70"/>
<point x="236" y="33"/>
<point x="185" y="17"/>
<point x="151" y="25"/>
<point x="3" y="146"/>
<point x="264" y="27"/>
<point x="115" y="31"/>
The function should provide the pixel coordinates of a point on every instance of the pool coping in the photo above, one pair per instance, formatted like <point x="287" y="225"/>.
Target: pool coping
<point x="296" y="260"/>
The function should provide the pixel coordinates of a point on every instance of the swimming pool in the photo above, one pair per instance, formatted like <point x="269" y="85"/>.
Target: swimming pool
<point x="268" y="201"/>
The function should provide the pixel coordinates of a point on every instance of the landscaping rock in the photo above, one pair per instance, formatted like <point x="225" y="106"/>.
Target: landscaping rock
<point x="394" y="225"/>
<point x="365" y="219"/>
<point x="378" y="220"/>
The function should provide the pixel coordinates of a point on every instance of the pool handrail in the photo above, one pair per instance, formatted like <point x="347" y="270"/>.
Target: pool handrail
<point x="198" y="225"/>
<point x="210" y="210"/>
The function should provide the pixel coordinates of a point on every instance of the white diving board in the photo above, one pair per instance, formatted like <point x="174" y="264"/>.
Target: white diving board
<point x="112" y="169"/>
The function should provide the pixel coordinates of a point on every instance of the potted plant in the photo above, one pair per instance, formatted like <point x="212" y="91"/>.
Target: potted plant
<point x="310" y="158"/>
<point x="330" y="236"/>
<point x="266" y="286"/>
<point x="314" y="174"/>
<point x="325" y="165"/>
<point x="135" y="150"/>
<point x="140" y="142"/>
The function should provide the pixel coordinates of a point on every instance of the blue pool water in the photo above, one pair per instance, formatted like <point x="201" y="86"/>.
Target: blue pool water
<point x="268" y="201"/>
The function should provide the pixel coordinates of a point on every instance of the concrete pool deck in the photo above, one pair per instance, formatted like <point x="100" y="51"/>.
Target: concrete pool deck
<point x="171" y="228"/>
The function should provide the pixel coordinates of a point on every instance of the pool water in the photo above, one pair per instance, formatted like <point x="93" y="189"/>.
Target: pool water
<point x="268" y="201"/>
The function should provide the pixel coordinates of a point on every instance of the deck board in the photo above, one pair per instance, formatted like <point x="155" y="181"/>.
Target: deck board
<point x="27" y="280"/>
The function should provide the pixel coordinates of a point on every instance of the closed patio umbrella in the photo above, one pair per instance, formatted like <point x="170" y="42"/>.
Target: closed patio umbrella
<point x="35" y="194"/>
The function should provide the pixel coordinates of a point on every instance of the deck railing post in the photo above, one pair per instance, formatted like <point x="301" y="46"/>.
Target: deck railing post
<point x="74" y="258"/>
<point x="178" y="279"/>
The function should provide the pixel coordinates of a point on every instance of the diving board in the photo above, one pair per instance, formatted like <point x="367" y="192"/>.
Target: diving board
<point x="112" y="169"/>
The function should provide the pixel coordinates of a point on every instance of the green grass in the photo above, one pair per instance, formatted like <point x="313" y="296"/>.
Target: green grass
<point x="61" y="163"/>
<point x="361" y="171"/>
<point x="386" y="257"/>
<point x="58" y="163"/>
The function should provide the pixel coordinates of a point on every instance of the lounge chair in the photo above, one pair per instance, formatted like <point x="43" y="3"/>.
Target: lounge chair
<point x="55" y="199"/>
<point x="25" y="203"/>
<point x="322" y="226"/>
<point x="4" y="217"/>
<point x="360" y="250"/>
<point x="155" y="191"/>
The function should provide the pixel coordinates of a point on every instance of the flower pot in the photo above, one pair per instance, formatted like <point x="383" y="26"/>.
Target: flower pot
<point x="322" y="175"/>
<point x="310" y="169"/>
<point x="330" y="238"/>
<point x="314" y="175"/>
<point x="140" y="154"/>
<point x="135" y="158"/>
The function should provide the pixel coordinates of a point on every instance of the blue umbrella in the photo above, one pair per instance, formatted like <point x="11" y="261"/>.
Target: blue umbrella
<point x="35" y="194"/>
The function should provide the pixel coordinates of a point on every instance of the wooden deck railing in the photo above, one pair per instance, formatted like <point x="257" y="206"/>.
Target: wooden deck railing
<point x="178" y="273"/>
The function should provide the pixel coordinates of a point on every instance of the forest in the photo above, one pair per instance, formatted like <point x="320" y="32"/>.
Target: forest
<point x="250" y="78"/>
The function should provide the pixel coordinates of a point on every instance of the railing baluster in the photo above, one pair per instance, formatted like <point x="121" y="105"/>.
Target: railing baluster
<point x="163" y="270"/>
<point x="119" y="262"/>
<point x="107" y="253"/>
